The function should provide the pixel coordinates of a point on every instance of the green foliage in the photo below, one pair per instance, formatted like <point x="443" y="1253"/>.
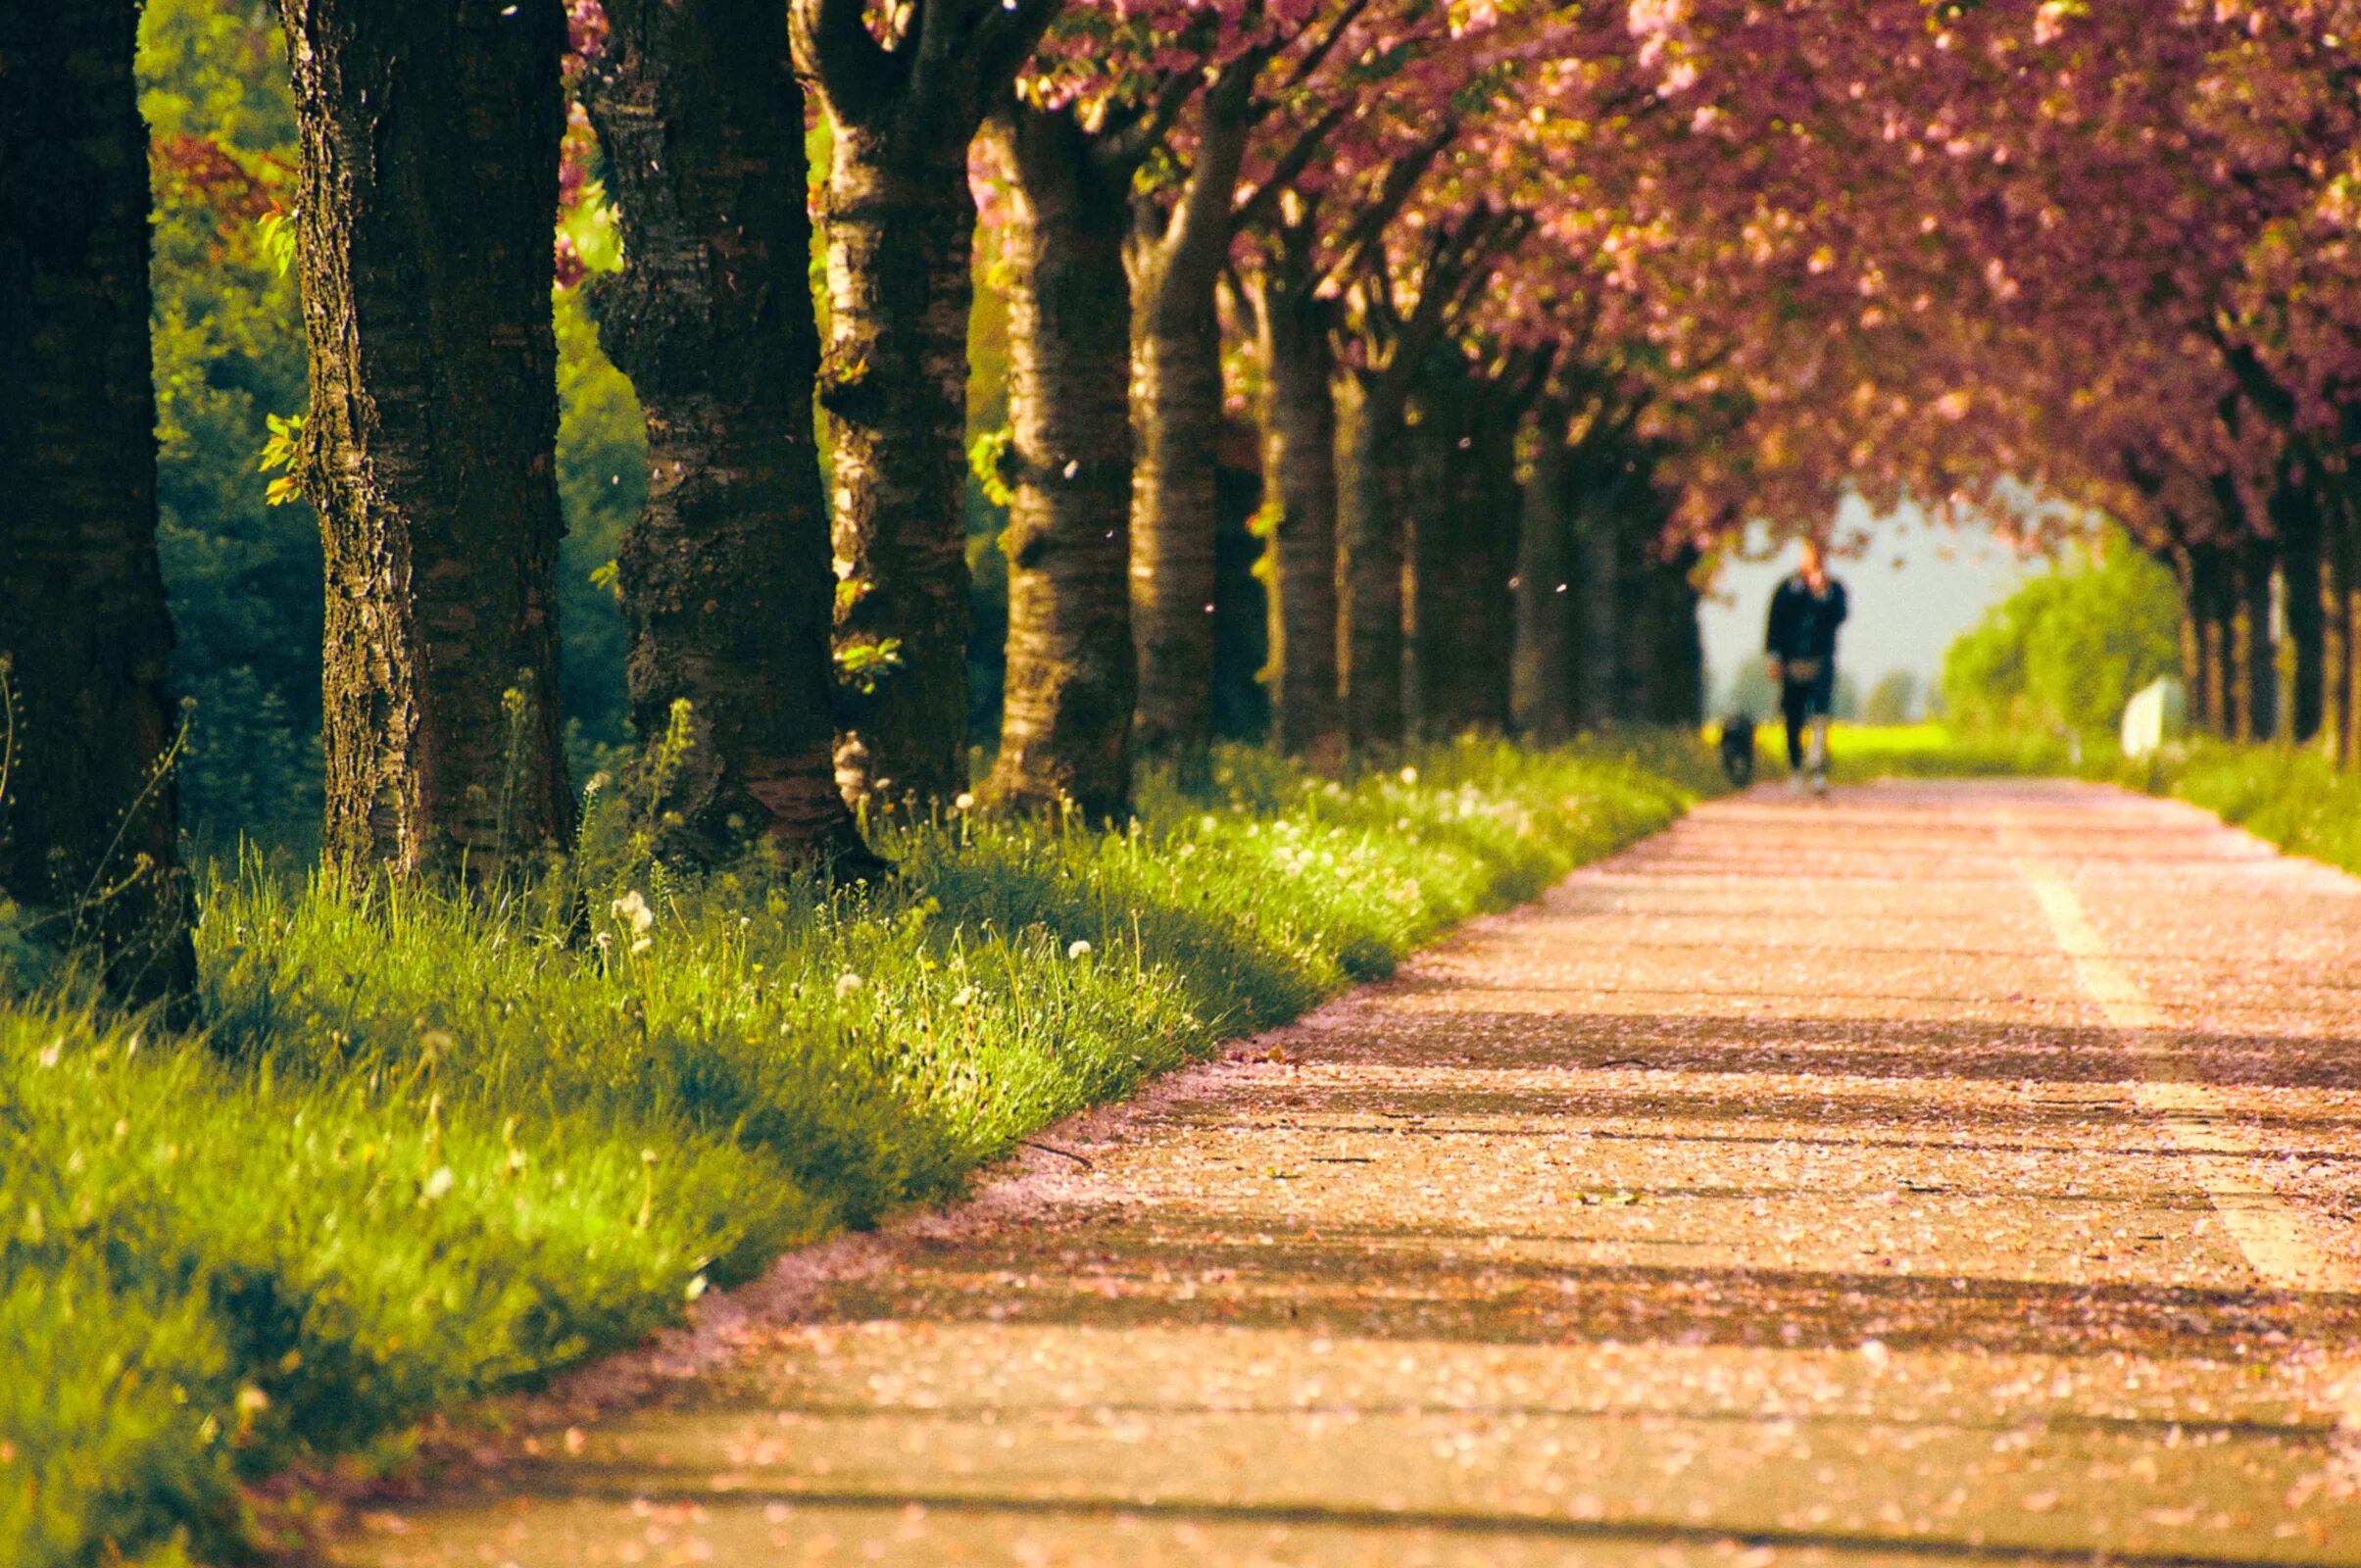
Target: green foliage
<point x="602" y="484"/>
<point x="1894" y="700"/>
<point x="430" y="1148"/>
<point x="243" y="578"/>
<point x="2297" y="800"/>
<point x="2065" y="652"/>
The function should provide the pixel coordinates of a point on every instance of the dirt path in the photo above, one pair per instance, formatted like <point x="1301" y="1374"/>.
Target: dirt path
<point x="1956" y="1172"/>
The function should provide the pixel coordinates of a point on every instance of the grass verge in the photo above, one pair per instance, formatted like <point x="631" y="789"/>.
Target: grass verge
<point x="2294" y="799"/>
<point x="427" y="1149"/>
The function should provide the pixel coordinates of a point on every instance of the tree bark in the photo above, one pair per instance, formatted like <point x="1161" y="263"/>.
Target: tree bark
<point x="1066" y="732"/>
<point x="1488" y="569"/>
<point x="727" y="589"/>
<point x="2297" y="514"/>
<point x="89" y="814"/>
<point x="1602" y="699"/>
<point x="900" y="228"/>
<point x="2257" y="646"/>
<point x="2210" y="688"/>
<point x="1540" y="668"/>
<point x="902" y="104"/>
<point x="1175" y="261"/>
<point x="428" y="139"/>
<point x="1369" y="561"/>
<point x="2344" y="620"/>
<point x="1435" y="537"/>
<point x="1299" y="466"/>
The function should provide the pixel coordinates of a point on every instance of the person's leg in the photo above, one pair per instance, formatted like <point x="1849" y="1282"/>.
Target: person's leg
<point x="1823" y="695"/>
<point x="1795" y="705"/>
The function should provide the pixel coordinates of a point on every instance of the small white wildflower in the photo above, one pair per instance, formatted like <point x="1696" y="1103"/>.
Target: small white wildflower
<point x="963" y="802"/>
<point x="1409" y="775"/>
<point x="1208" y="823"/>
<point x="632" y="909"/>
<point x="1078" y="949"/>
<point x="964" y="996"/>
<point x="441" y="1181"/>
<point x="847" y="984"/>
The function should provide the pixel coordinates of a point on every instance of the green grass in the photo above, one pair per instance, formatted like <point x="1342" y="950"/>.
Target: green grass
<point x="2294" y="799"/>
<point x="427" y="1149"/>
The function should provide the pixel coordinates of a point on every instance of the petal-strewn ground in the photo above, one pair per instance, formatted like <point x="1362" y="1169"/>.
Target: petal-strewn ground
<point x="1961" y="1171"/>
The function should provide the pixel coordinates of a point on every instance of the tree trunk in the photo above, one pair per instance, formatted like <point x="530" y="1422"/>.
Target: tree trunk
<point x="1601" y="701"/>
<point x="1176" y="395"/>
<point x="1369" y="561"/>
<point x="1436" y="536"/>
<point x="1674" y="679"/>
<point x="1299" y="466"/>
<point x="1540" y="670"/>
<point x="2344" y="624"/>
<point x="2257" y="644"/>
<point x="900" y="228"/>
<point x="2210" y="688"/>
<point x="88" y="812"/>
<point x="727" y="589"/>
<point x="1488" y="465"/>
<point x="1066" y="732"/>
<point x="2296" y="514"/>
<point x="428" y="139"/>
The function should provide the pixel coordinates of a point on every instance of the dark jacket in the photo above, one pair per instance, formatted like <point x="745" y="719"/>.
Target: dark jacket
<point x="1803" y="624"/>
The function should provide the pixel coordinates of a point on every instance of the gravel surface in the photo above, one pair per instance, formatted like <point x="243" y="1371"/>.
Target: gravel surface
<point x="1939" y="1171"/>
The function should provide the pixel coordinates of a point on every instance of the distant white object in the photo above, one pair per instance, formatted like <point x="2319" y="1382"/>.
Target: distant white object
<point x="2155" y="714"/>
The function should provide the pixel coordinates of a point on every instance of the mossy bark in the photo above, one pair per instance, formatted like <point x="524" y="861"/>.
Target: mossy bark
<point x="88" y="821"/>
<point x="428" y="141"/>
<point x="726" y="583"/>
<point x="1065" y="731"/>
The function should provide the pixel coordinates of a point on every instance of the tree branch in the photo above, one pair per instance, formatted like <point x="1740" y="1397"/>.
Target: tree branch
<point x="1286" y="170"/>
<point x="836" y="55"/>
<point x="1326" y="46"/>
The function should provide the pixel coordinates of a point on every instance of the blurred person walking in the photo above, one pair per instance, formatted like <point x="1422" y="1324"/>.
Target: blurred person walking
<point x="1801" y="642"/>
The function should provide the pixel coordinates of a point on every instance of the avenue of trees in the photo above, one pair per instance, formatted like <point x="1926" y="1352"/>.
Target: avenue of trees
<point x="1490" y="325"/>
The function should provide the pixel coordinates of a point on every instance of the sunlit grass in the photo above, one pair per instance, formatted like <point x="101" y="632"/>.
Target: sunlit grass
<point x="2292" y="797"/>
<point x="428" y="1149"/>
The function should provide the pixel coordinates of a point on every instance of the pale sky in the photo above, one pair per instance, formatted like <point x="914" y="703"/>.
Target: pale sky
<point x="1919" y="586"/>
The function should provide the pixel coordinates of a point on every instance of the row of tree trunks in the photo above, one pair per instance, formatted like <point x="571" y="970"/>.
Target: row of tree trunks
<point x="1066" y="732"/>
<point x="726" y="582"/>
<point x="88" y="820"/>
<point x="428" y="135"/>
<point x="1464" y="551"/>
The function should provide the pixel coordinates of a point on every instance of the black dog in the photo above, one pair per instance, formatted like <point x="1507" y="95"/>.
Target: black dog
<point x="1738" y="748"/>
